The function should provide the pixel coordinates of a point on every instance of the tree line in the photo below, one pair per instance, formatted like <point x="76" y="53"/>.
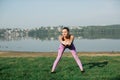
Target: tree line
<point x="85" y="32"/>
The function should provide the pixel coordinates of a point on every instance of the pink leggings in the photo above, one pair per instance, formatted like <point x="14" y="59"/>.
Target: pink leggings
<point x="72" y="50"/>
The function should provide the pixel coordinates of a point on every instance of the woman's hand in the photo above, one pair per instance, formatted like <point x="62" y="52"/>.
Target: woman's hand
<point x="66" y="43"/>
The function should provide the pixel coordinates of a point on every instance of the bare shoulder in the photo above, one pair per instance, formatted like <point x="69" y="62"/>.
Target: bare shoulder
<point x="71" y="36"/>
<point x="60" y="37"/>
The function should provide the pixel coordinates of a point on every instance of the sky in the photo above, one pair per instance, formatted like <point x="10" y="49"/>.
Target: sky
<point x="35" y="13"/>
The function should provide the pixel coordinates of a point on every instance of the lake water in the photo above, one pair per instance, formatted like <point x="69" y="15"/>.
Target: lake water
<point x="82" y="45"/>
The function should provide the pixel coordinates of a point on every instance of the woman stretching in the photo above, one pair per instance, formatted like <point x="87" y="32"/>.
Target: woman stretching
<point x="66" y="41"/>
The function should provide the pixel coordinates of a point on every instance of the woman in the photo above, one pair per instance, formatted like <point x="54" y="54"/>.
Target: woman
<point x="66" y="41"/>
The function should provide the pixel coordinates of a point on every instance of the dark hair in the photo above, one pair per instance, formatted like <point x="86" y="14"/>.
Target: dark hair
<point x="66" y="28"/>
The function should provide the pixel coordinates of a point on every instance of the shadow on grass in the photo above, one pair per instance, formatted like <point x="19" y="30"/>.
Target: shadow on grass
<point x="98" y="64"/>
<point x="115" y="78"/>
<point x="4" y="67"/>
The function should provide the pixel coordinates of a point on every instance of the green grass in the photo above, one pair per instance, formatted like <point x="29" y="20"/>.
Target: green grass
<point x="38" y="68"/>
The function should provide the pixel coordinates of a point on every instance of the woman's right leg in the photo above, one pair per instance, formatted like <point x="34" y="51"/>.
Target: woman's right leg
<point x="74" y="53"/>
<point x="60" y="52"/>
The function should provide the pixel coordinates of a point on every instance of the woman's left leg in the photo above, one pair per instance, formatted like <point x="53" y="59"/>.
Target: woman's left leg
<point x="74" y="53"/>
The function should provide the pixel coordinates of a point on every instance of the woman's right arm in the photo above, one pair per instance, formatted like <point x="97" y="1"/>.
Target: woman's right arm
<point x="61" y="41"/>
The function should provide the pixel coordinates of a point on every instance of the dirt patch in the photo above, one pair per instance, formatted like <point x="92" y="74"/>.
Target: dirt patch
<point x="54" y="54"/>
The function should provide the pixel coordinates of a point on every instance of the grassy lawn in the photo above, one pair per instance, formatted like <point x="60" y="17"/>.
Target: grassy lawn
<point x="38" y="68"/>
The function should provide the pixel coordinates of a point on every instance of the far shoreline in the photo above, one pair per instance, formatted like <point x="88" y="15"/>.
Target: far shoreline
<point x="53" y="54"/>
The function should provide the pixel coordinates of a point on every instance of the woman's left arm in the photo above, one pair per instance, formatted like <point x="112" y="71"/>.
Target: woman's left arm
<point x="71" y="40"/>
